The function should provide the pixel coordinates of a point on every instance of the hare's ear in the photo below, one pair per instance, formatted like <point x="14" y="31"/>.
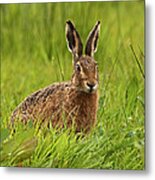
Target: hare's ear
<point x="73" y="39"/>
<point x="91" y="45"/>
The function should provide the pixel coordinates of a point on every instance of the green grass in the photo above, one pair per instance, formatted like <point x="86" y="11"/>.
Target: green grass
<point x="34" y="54"/>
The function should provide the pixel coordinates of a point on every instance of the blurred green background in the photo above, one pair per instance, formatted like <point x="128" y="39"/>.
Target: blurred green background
<point x="34" y="54"/>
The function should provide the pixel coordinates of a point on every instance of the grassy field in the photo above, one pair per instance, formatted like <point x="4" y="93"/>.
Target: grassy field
<point x="34" y="54"/>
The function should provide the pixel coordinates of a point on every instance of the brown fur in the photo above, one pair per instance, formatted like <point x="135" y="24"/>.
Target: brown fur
<point x="74" y="101"/>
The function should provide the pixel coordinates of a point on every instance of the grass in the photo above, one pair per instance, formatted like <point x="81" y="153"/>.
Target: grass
<point x="34" y="54"/>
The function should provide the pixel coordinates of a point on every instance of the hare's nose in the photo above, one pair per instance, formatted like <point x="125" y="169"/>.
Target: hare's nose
<point x="90" y="85"/>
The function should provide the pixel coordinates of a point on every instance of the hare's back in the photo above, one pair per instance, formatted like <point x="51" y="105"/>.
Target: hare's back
<point x="42" y="103"/>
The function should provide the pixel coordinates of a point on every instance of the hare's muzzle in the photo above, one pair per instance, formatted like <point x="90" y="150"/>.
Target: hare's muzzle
<point x="91" y="87"/>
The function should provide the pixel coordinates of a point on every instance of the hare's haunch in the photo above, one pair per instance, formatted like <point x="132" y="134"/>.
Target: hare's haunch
<point x="75" y="101"/>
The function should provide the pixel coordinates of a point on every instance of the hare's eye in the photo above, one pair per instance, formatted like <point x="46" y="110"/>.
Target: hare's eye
<point x="78" y="67"/>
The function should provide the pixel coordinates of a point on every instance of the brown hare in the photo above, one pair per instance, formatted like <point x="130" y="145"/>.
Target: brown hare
<point x="75" y="101"/>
